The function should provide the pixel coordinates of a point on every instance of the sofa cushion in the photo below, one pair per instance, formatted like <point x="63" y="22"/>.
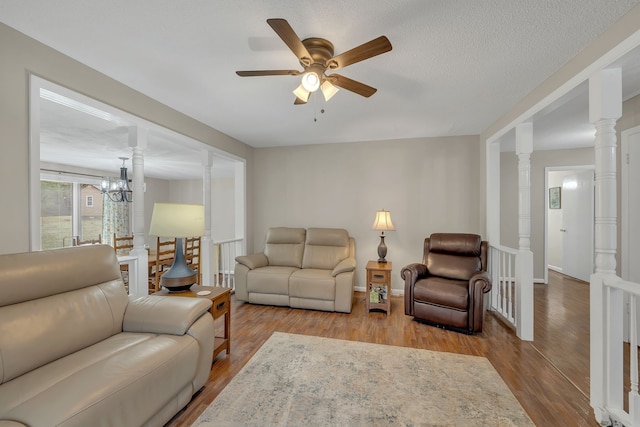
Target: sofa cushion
<point x="270" y="280"/>
<point x="90" y="265"/>
<point x="312" y="283"/>
<point x="109" y="381"/>
<point x="325" y="248"/>
<point x="444" y="292"/>
<point x="44" y="295"/>
<point x="34" y="333"/>
<point x="455" y="243"/>
<point x="452" y="266"/>
<point x="284" y="246"/>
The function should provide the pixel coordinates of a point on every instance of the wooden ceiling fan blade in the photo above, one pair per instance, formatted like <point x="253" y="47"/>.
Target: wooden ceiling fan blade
<point x="291" y="39"/>
<point x="299" y="101"/>
<point x="364" y="51"/>
<point x="352" y="85"/>
<point x="268" y="73"/>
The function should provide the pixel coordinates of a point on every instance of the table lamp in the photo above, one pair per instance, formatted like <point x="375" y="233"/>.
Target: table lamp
<point x="178" y="221"/>
<point x="382" y="223"/>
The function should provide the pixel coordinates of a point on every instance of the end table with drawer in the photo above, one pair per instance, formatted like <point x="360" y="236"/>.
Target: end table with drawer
<point x="378" y="286"/>
<point x="221" y="298"/>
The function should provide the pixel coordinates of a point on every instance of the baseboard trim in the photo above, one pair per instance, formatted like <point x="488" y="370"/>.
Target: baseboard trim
<point x="554" y="268"/>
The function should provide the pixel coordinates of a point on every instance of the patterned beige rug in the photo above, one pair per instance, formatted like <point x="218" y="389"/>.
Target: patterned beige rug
<point x="299" y="380"/>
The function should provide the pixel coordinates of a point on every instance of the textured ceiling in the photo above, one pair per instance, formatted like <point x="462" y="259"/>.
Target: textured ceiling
<point x="455" y="67"/>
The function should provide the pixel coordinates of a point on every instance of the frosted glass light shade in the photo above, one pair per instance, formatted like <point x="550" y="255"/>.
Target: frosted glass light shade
<point x="177" y="220"/>
<point x="302" y="93"/>
<point x="311" y="81"/>
<point x="328" y="90"/>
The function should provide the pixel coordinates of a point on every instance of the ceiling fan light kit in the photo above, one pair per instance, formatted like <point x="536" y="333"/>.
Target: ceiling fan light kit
<point x="316" y="57"/>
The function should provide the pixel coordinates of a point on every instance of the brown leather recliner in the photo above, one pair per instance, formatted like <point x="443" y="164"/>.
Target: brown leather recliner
<point x="447" y="289"/>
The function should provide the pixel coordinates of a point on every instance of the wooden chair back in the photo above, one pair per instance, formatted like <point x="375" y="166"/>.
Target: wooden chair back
<point x="165" y="252"/>
<point x="78" y="242"/>
<point x="192" y="255"/>
<point x="122" y="244"/>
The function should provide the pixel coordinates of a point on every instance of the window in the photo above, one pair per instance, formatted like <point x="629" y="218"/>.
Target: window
<point x="70" y="210"/>
<point x="55" y="214"/>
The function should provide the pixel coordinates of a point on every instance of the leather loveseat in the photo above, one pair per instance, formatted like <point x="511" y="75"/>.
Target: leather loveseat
<point x="312" y="269"/>
<point x="76" y="350"/>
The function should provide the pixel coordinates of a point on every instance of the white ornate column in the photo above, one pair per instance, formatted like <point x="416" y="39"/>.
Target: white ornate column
<point x="606" y="326"/>
<point x="524" y="260"/>
<point x="206" y="257"/>
<point x="138" y="143"/>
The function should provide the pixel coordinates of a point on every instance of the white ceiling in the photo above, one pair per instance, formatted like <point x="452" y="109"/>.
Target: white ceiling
<point x="455" y="67"/>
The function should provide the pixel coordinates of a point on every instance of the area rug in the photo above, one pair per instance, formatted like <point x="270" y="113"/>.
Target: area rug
<point x="299" y="380"/>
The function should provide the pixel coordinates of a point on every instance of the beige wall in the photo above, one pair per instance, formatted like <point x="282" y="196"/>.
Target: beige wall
<point x="429" y="185"/>
<point x="21" y="56"/>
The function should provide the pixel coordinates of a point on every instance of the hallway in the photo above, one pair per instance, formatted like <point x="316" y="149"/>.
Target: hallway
<point x="562" y="327"/>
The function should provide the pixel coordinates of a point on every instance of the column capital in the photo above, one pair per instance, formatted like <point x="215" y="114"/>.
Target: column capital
<point x="207" y="158"/>
<point x="524" y="138"/>
<point x="138" y="137"/>
<point x="605" y="95"/>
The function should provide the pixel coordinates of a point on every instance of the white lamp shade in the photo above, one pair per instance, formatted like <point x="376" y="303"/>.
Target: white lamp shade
<point x="177" y="220"/>
<point x="383" y="221"/>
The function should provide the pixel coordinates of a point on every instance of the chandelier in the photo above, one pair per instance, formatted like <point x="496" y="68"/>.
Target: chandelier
<point x="118" y="190"/>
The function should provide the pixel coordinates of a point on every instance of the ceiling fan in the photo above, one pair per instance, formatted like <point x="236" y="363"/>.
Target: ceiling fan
<point x="316" y="57"/>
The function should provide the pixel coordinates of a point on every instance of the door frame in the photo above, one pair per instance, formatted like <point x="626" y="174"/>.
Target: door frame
<point x="546" y="207"/>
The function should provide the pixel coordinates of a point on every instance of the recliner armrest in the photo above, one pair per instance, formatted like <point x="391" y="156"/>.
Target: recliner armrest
<point x="413" y="272"/>
<point x="253" y="260"/>
<point x="163" y="314"/>
<point x="484" y="279"/>
<point x="344" y="266"/>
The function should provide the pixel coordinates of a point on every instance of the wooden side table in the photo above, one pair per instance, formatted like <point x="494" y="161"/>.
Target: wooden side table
<point x="378" y="286"/>
<point x="221" y="298"/>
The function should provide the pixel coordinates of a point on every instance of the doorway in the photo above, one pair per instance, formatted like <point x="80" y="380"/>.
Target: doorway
<point x="569" y="221"/>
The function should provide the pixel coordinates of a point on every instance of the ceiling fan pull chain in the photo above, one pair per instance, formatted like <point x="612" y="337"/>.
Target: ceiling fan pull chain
<point x="315" y="108"/>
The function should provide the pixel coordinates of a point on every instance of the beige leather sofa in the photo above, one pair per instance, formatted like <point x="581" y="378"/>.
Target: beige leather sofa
<point x="76" y="350"/>
<point x="312" y="268"/>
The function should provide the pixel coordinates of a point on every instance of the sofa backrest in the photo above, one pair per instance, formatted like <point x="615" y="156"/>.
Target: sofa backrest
<point x="454" y="255"/>
<point x="54" y="303"/>
<point x="285" y="246"/>
<point x="325" y="247"/>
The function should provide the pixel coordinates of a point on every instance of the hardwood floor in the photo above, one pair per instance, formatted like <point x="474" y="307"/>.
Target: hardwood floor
<point x="562" y="326"/>
<point x="531" y="370"/>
